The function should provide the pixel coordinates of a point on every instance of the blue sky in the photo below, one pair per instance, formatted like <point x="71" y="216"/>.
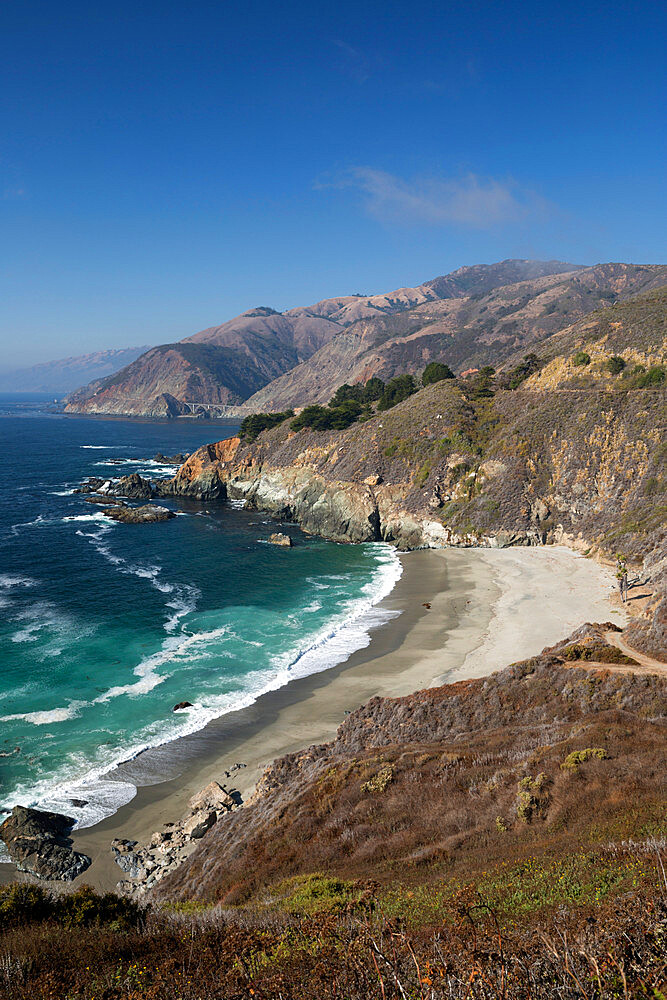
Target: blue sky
<point x="165" y="166"/>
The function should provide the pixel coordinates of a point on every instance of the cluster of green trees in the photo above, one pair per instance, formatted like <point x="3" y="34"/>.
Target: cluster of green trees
<point x="257" y="422"/>
<point x="349" y="403"/>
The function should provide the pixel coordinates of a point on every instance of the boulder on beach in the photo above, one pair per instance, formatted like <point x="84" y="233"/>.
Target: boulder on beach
<point x="199" y="823"/>
<point x="278" y="538"/>
<point x="213" y="796"/>
<point x="38" y="842"/>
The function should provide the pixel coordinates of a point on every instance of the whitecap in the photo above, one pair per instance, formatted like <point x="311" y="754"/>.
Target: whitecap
<point x="47" y="716"/>
<point x="9" y="580"/>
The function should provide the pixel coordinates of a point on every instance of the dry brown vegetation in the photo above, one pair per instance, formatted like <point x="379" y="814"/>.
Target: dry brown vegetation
<point x="498" y="838"/>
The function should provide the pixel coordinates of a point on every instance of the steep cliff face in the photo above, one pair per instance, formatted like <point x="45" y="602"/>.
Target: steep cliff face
<point x="521" y="467"/>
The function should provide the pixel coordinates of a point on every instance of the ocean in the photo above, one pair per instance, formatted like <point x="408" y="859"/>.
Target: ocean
<point x="104" y="627"/>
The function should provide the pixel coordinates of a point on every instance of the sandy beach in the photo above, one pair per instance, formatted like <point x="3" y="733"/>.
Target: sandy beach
<point x="461" y="613"/>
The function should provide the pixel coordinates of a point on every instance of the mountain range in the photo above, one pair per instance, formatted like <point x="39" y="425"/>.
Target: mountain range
<point x="264" y="360"/>
<point x="64" y="375"/>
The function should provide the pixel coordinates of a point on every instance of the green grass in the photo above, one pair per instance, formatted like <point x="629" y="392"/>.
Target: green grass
<point x="315" y="893"/>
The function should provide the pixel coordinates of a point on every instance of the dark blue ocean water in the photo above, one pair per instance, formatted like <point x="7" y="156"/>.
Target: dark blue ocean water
<point x="104" y="626"/>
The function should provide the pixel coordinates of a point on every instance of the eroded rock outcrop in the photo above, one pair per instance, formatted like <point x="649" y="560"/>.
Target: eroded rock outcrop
<point x="174" y="842"/>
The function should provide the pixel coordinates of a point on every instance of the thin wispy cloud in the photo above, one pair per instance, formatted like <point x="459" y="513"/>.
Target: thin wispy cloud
<point x="470" y="200"/>
<point x="354" y="63"/>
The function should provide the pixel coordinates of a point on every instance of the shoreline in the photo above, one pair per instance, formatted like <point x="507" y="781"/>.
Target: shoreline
<point x="488" y="607"/>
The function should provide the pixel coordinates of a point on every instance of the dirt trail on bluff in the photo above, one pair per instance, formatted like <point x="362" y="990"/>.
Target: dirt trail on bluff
<point x="650" y="665"/>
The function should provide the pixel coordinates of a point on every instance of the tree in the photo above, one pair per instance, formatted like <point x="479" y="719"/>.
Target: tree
<point x="373" y="389"/>
<point x="581" y="358"/>
<point x="346" y="392"/>
<point x="257" y="422"/>
<point x="436" y="371"/>
<point x="482" y="385"/>
<point x="396" y="390"/>
<point x="325" y="418"/>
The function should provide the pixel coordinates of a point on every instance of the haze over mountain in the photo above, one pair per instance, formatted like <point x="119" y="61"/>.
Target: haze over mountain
<point x="66" y="374"/>
<point x="265" y="360"/>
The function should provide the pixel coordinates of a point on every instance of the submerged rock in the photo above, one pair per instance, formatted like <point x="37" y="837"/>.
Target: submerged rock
<point x="278" y="538"/>
<point x="39" y="842"/>
<point x="181" y="705"/>
<point x="102" y="499"/>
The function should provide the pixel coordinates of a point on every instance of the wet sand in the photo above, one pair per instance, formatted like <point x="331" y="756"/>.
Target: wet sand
<point x="487" y="608"/>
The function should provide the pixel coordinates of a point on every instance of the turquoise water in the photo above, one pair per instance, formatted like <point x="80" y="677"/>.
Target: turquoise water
<point x="104" y="626"/>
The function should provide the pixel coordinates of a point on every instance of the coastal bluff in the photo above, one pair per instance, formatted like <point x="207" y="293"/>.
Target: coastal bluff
<point x="527" y="467"/>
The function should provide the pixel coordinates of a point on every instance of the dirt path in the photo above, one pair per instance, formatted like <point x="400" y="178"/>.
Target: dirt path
<point x="650" y="665"/>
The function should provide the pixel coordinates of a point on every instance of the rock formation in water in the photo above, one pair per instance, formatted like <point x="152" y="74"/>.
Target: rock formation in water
<point x="38" y="842"/>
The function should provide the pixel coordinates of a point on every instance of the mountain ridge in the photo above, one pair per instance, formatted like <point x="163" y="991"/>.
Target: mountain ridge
<point x="262" y="344"/>
<point x="65" y="374"/>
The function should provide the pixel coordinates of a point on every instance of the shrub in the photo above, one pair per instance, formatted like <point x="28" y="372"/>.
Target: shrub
<point x="581" y="358"/>
<point x="573" y="760"/>
<point x="21" y="903"/>
<point x="379" y="782"/>
<point x="515" y="376"/>
<point x="316" y="893"/>
<point x="598" y="652"/>
<point x="615" y="364"/>
<point x="481" y="385"/>
<point x="655" y="376"/>
<point x="436" y="371"/>
<point x="532" y="798"/>
<point x="85" y="908"/>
